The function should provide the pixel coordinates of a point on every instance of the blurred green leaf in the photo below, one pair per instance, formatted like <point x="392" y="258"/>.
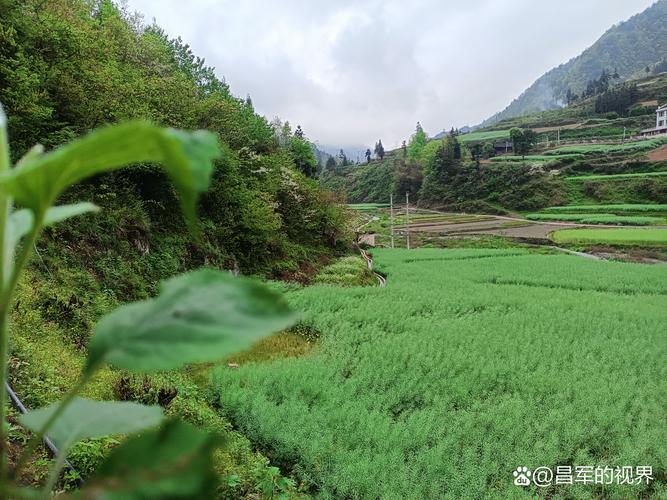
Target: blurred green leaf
<point x="187" y="157"/>
<point x="21" y="221"/>
<point x="172" y="462"/>
<point x="62" y="212"/>
<point x="199" y="316"/>
<point x="83" y="419"/>
<point x="32" y="154"/>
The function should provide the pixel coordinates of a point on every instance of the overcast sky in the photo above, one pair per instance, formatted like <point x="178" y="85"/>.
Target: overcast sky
<point x="353" y="71"/>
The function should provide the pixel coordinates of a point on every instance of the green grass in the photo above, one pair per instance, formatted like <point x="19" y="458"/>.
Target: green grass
<point x="613" y="208"/>
<point x="629" y="236"/>
<point x="468" y="364"/>
<point x="348" y="271"/>
<point x="366" y="207"/>
<point x="628" y="147"/>
<point x="490" y="135"/>
<point x="595" y="218"/>
<point x="615" y="176"/>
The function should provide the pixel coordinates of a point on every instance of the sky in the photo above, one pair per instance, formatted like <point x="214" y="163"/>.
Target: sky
<point x="351" y="72"/>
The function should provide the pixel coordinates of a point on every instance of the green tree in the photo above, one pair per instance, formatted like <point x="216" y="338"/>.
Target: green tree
<point x="488" y="150"/>
<point x="342" y="159"/>
<point x="303" y="156"/>
<point x="440" y="170"/>
<point x="523" y="140"/>
<point x="417" y="144"/>
<point x="379" y="150"/>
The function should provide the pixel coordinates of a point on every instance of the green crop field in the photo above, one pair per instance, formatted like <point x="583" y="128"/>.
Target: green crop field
<point x="490" y="135"/>
<point x="366" y="207"/>
<point x="616" y="208"/>
<point x="628" y="236"/>
<point x="615" y="176"/>
<point x="468" y="364"/>
<point x="595" y="218"/>
<point x="628" y="147"/>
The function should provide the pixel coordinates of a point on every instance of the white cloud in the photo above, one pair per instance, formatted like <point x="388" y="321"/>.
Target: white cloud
<point x="351" y="72"/>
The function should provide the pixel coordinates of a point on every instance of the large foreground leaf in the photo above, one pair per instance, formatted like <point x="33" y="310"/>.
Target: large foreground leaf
<point x="173" y="462"/>
<point x="21" y="221"/>
<point x="199" y="316"/>
<point x="83" y="419"/>
<point x="187" y="157"/>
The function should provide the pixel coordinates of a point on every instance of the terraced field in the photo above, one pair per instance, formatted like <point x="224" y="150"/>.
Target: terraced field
<point x="622" y="208"/>
<point x="468" y="364"/>
<point x="596" y="218"/>
<point x="637" y="175"/>
<point x="627" y="236"/>
<point x="628" y="147"/>
<point x="533" y="158"/>
<point x="365" y="207"/>
<point x="484" y="136"/>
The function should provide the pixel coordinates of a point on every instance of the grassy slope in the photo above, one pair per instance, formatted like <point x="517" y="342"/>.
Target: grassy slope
<point x="627" y="236"/>
<point x="617" y="208"/>
<point x="467" y="364"/>
<point x="597" y="218"/>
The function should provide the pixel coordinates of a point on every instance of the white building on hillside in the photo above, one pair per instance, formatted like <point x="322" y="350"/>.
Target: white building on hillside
<point x="660" y="122"/>
<point x="661" y="118"/>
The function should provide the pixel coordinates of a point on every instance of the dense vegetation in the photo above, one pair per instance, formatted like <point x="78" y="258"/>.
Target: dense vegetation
<point x="103" y="65"/>
<point x="443" y="174"/>
<point x="468" y="363"/>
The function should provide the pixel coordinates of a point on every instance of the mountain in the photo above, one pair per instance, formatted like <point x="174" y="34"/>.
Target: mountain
<point x="355" y="152"/>
<point x="628" y="48"/>
<point x="322" y="156"/>
<point x="445" y="132"/>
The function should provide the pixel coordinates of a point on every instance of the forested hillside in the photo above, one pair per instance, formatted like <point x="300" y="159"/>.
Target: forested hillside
<point x="473" y="175"/>
<point x="67" y="66"/>
<point x="627" y="48"/>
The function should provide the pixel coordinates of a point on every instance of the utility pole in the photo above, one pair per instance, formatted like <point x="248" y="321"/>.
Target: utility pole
<point x="391" y="217"/>
<point x="407" y="219"/>
<point x="559" y="136"/>
<point x="624" y="128"/>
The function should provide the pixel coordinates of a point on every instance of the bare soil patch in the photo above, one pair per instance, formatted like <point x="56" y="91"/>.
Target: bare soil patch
<point x="497" y="226"/>
<point x="659" y="154"/>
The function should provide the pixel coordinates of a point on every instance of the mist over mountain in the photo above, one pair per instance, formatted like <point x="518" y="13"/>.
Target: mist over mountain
<point x="628" y="48"/>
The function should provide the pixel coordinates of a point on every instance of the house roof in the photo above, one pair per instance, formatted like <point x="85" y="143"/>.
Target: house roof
<point x="664" y="106"/>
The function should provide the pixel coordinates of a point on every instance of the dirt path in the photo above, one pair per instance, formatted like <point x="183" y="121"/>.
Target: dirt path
<point x="500" y="225"/>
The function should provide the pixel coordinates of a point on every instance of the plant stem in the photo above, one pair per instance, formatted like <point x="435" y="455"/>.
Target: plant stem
<point x="5" y="270"/>
<point x="55" y="471"/>
<point x="38" y="436"/>
<point x="5" y="302"/>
